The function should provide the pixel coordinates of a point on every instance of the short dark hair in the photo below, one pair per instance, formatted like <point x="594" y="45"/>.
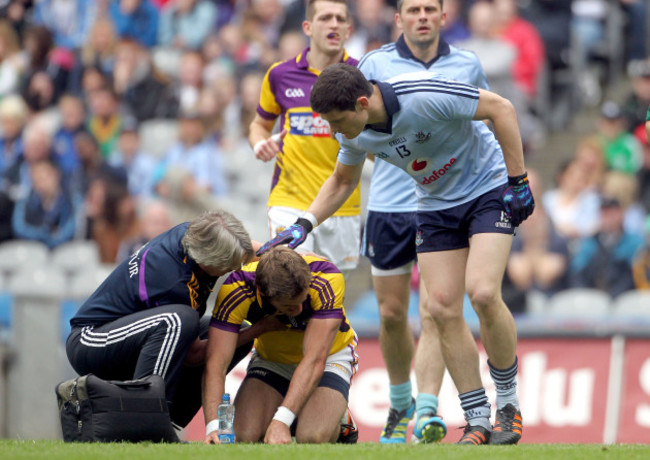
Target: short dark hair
<point x="338" y="87"/>
<point x="282" y="272"/>
<point x="311" y="9"/>
<point x="400" y="3"/>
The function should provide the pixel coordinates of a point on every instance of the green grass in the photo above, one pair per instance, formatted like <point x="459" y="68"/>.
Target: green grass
<point x="12" y="449"/>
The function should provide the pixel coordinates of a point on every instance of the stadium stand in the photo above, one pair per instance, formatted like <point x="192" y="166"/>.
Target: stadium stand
<point x="76" y="256"/>
<point x="579" y="302"/>
<point x="632" y="303"/>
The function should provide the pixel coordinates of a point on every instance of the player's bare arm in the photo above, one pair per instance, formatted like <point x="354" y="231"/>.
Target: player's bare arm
<point x="265" y="146"/>
<point x="335" y="190"/>
<point x="221" y="348"/>
<point x="501" y="113"/>
<point x="317" y="342"/>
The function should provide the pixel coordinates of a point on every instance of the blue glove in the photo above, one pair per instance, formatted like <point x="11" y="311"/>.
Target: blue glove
<point x="518" y="199"/>
<point x="294" y="235"/>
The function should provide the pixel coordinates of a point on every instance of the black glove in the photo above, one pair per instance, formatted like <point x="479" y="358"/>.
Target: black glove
<point x="518" y="199"/>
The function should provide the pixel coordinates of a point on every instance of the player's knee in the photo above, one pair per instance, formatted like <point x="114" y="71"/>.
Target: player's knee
<point x="248" y="434"/>
<point x="314" y="435"/>
<point x="393" y="313"/>
<point x="483" y="297"/>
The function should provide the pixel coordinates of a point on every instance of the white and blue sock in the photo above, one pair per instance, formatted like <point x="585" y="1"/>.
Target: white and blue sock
<point x="505" y="381"/>
<point x="477" y="408"/>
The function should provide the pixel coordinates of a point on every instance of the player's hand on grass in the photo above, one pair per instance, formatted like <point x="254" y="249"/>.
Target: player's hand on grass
<point x="212" y="438"/>
<point x="518" y="199"/>
<point x="267" y="149"/>
<point x="294" y="236"/>
<point x="277" y="433"/>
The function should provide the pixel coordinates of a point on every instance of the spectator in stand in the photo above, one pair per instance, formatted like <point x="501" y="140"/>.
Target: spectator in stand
<point x="17" y="12"/>
<point x="37" y="146"/>
<point x="105" y="120"/>
<point x="38" y="46"/>
<point x="41" y="96"/>
<point x="200" y="157"/>
<point x="136" y="20"/>
<point x="190" y="81"/>
<point x="589" y="155"/>
<point x="373" y="22"/>
<point x="155" y="218"/>
<point x="99" y="50"/>
<point x="636" y="104"/>
<point x="47" y="213"/>
<point x="269" y="16"/>
<point x="455" y="29"/>
<point x="641" y="264"/>
<point x="643" y="175"/>
<point x="210" y="109"/>
<point x="185" y="24"/>
<point x="245" y="45"/>
<point x="73" y="115"/>
<point x="140" y="166"/>
<point x="183" y="196"/>
<point x="92" y="79"/>
<point x="625" y="189"/>
<point x="112" y="217"/>
<point x="552" y="19"/>
<point x="11" y="63"/>
<point x="604" y="261"/>
<point x="622" y="151"/>
<point x="143" y="93"/>
<point x="498" y="58"/>
<point x="539" y="258"/>
<point x="13" y="117"/>
<point x="92" y="165"/>
<point x="291" y="44"/>
<point x="572" y="206"/>
<point x="68" y="20"/>
<point x="529" y="45"/>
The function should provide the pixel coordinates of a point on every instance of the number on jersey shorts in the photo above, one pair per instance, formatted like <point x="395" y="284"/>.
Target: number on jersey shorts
<point x="338" y="238"/>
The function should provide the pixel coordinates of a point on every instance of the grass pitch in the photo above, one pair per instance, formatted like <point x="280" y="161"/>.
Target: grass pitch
<point x="13" y="449"/>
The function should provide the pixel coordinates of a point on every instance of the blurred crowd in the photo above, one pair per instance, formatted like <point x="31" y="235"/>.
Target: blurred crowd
<point x="121" y="118"/>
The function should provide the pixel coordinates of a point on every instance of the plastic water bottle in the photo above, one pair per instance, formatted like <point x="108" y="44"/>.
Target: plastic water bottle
<point x="226" y="417"/>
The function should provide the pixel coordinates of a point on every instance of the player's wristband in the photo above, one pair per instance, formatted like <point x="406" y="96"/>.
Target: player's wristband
<point x="518" y="180"/>
<point x="212" y="426"/>
<point x="311" y="218"/>
<point x="284" y="415"/>
<point x="258" y="145"/>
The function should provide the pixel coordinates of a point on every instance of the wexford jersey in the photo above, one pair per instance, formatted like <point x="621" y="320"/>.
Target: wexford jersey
<point x="431" y="136"/>
<point x="307" y="153"/>
<point x="238" y="299"/>
<point x="391" y="189"/>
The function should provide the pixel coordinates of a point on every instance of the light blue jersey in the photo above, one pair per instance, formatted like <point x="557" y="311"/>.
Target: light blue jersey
<point x="391" y="189"/>
<point x="430" y="134"/>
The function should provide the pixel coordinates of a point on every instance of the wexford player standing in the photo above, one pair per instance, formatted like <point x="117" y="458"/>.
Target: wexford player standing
<point x="306" y="154"/>
<point x="389" y="235"/>
<point x="472" y="192"/>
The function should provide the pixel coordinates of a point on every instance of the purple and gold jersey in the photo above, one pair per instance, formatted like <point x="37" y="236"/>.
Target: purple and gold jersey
<point x="239" y="300"/>
<point x="307" y="153"/>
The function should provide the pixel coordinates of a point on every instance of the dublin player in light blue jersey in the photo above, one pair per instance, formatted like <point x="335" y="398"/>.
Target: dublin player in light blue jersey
<point x="472" y="192"/>
<point x="389" y="233"/>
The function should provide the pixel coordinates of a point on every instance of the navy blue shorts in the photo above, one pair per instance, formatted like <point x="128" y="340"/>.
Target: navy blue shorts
<point x="451" y="228"/>
<point x="389" y="239"/>
<point x="281" y="384"/>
